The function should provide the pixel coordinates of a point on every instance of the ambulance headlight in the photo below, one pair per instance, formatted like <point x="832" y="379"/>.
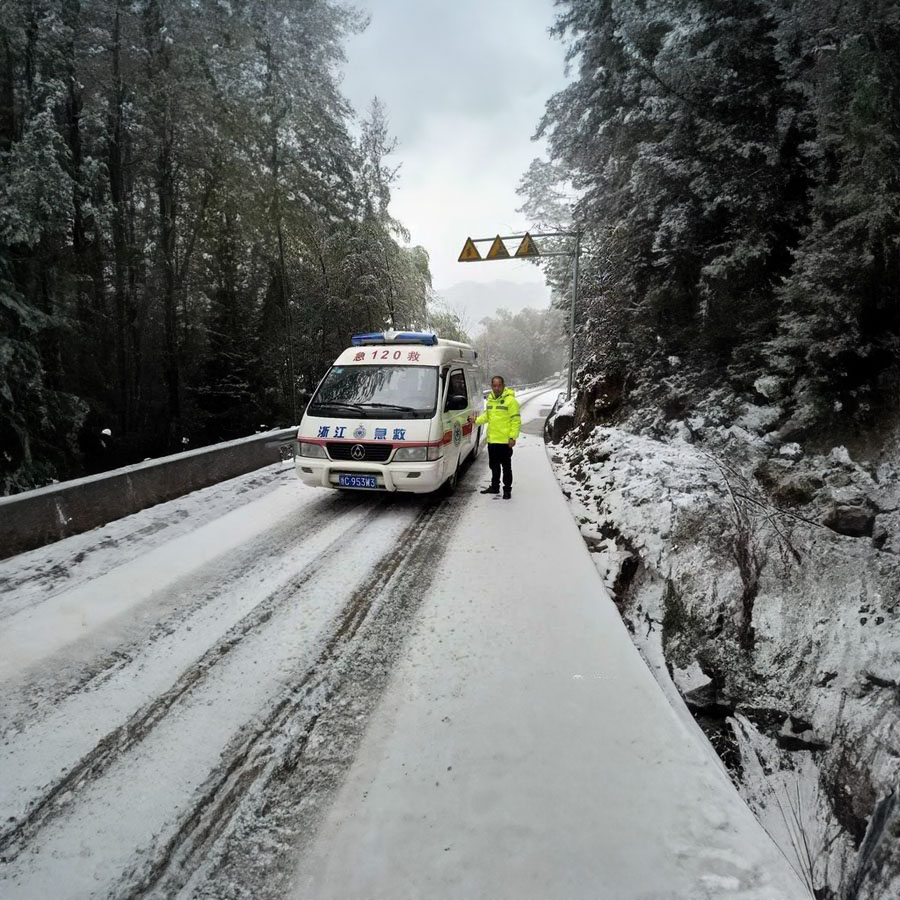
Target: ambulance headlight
<point x="316" y="450"/>
<point x="411" y="454"/>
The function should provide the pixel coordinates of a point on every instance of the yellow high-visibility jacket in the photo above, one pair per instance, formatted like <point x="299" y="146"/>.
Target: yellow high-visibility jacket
<point x="501" y="414"/>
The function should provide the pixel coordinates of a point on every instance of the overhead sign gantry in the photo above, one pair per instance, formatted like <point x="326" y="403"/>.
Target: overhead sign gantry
<point x="528" y="248"/>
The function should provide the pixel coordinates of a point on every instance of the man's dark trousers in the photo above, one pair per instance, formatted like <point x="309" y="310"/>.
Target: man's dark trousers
<point x="500" y="457"/>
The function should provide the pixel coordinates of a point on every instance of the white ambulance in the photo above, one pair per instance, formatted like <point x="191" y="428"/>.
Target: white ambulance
<point x="392" y="414"/>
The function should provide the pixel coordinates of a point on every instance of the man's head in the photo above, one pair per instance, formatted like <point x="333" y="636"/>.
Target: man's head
<point x="497" y="385"/>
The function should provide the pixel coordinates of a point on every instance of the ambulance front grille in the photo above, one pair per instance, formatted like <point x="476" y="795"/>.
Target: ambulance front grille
<point x="370" y="452"/>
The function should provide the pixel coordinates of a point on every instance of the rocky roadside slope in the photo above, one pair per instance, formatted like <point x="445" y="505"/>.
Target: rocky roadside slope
<point x="761" y="577"/>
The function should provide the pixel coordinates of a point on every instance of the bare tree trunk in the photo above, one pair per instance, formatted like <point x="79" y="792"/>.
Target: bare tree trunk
<point x="275" y="161"/>
<point x="31" y="41"/>
<point x="165" y="191"/>
<point x="289" y="317"/>
<point x="116" y="168"/>
<point x="159" y="64"/>
<point x="8" y="122"/>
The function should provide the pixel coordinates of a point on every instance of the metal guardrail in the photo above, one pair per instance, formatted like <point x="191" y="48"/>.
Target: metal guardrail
<point x="51" y="513"/>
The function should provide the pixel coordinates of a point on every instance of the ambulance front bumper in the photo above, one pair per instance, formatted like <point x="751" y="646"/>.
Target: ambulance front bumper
<point x="417" y="477"/>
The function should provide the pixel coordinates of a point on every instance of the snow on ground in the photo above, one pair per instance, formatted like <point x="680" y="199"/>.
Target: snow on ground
<point x="155" y="666"/>
<point x="121" y="734"/>
<point x="35" y="633"/>
<point x="237" y="692"/>
<point x="42" y="572"/>
<point x="523" y="750"/>
<point x="782" y="634"/>
<point x="186" y="745"/>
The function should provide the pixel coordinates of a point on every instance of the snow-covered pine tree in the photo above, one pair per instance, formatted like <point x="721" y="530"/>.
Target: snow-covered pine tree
<point x="171" y="173"/>
<point x="839" y="335"/>
<point x="727" y="228"/>
<point x="699" y="133"/>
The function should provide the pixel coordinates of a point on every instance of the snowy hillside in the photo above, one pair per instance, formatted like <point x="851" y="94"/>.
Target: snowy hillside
<point x="764" y="584"/>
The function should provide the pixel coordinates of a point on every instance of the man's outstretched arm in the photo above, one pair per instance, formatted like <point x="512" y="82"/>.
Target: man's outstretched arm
<point x="515" y="421"/>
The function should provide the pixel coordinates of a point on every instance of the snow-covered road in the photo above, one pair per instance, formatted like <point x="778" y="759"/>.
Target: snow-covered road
<point x="264" y="690"/>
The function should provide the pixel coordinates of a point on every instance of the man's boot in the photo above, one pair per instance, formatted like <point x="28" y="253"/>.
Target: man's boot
<point x="507" y="493"/>
<point x="491" y="490"/>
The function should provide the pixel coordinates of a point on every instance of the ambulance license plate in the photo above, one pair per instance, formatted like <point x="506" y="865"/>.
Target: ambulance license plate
<point x="358" y="481"/>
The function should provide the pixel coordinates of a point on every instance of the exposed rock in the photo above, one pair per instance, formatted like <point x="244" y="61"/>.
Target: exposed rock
<point x="771" y="387"/>
<point x="877" y="874"/>
<point x="790" y="451"/>
<point x="788" y="484"/>
<point x="795" y="490"/>
<point x="771" y="471"/>
<point x="840" y="455"/>
<point x="810" y="713"/>
<point x="838" y="479"/>
<point x="855" y="520"/>
<point x="681" y="431"/>
<point x="713" y="715"/>
<point x="706" y="698"/>
<point x="767" y="720"/>
<point x="797" y="427"/>
<point x="851" y="793"/>
<point x="690" y="679"/>
<point x="886" y="532"/>
<point x="560" y="425"/>
<point x="597" y="401"/>
<point x="799" y="725"/>
<point x="804" y="741"/>
<point x="627" y="571"/>
<point x="697" y="423"/>
<point x="593" y="538"/>
<point x="760" y="419"/>
<point x="847" y="495"/>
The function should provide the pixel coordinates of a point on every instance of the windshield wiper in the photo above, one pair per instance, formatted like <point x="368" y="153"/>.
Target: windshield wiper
<point x="337" y="403"/>
<point x="392" y="406"/>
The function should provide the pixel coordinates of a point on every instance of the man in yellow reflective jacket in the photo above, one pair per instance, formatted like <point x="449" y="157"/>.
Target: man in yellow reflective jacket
<point x="503" y="420"/>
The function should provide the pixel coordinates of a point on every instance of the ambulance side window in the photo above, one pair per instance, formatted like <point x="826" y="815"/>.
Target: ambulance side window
<point x="456" y="387"/>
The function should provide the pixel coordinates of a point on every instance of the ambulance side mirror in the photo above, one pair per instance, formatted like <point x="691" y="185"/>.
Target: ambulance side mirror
<point x="457" y="401"/>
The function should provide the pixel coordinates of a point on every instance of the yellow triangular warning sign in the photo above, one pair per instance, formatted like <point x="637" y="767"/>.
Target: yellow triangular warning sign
<point x="498" y="250"/>
<point x="469" y="252"/>
<point x="528" y="247"/>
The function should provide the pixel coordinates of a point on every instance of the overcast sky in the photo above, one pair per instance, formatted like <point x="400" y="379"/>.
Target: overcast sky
<point x="465" y="84"/>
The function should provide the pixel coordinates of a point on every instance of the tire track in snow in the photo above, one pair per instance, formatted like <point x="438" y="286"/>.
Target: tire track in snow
<point x="385" y="602"/>
<point x="40" y="692"/>
<point x="38" y="575"/>
<point x="104" y="836"/>
<point x="16" y="834"/>
<point x="251" y="771"/>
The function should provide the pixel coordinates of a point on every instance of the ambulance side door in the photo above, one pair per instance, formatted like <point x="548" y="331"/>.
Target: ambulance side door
<point x="473" y="381"/>
<point x="456" y="410"/>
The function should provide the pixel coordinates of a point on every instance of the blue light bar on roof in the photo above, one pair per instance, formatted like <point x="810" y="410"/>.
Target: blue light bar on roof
<point x="373" y="338"/>
<point x="429" y="338"/>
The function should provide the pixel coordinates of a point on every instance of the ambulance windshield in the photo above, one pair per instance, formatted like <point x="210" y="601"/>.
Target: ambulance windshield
<point x="377" y="392"/>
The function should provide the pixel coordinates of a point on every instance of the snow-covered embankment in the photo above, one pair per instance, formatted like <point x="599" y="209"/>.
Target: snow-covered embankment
<point x="764" y="586"/>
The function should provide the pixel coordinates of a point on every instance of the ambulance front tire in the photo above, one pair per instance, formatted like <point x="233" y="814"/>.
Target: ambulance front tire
<point x="449" y="486"/>
<point x="473" y="455"/>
